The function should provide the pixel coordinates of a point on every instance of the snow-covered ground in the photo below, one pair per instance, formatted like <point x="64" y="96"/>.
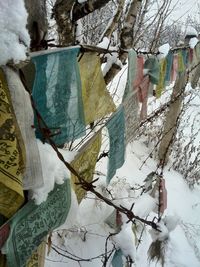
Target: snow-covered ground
<point x="88" y="225"/>
<point x="86" y="235"/>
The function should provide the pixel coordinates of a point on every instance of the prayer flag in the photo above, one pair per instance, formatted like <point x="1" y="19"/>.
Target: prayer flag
<point x="32" y="177"/>
<point x="152" y="65"/>
<point x="131" y="116"/>
<point x="31" y="224"/>
<point x="161" y="82"/>
<point x="84" y="163"/>
<point x="38" y="257"/>
<point x="57" y="95"/>
<point x="116" y="130"/>
<point x="181" y="65"/>
<point x="132" y="68"/>
<point x="97" y="101"/>
<point x="117" y="259"/>
<point x="169" y="63"/>
<point x="11" y="155"/>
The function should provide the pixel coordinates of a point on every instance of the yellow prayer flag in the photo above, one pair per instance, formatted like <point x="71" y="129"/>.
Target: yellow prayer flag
<point x="38" y="257"/>
<point x="84" y="163"/>
<point x="181" y="65"/>
<point x="161" y="82"/>
<point x="11" y="158"/>
<point x="97" y="101"/>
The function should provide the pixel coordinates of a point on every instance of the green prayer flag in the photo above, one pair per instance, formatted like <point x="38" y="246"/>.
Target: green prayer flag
<point x="57" y="95"/>
<point x="116" y="130"/>
<point x="132" y="67"/>
<point x="32" y="223"/>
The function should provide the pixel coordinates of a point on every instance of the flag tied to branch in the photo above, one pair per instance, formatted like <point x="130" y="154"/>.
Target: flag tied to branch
<point x="97" y="101"/>
<point x="84" y="163"/>
<point x="116" y="130"/>
<point x="12" y="155"/>
<point x="30" y="225"/>
<point x="32" y="177"/>
<point x="57" y="95"/>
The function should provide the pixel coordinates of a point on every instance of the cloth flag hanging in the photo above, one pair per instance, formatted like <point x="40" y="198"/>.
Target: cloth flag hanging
<point x="57" y="94"/>
<point x="161" y="82"/>
<point x="181" y="65"/>
<point x="31" y="224"/>
<point x="12" y="155"/>
<point x="143" y="96"/>
<point x="139" y="72"/>
<point x="97" y="101"/>
<point x="185" y="54"/>
<point x="174" y="68"/>
<point x="131" y="116"/>
<point x="131" y="75"/>
<point x="197" y="51"/>
<point x="152" y="65"/>
<point x="32" y="177"/>
<point x="116" y="130"/>
<point x="117" y="259"/>
<point x="38" y="257"/>
<point x="84" y="163"/>
<point x="169" y="64"/>
<point x="130" y="100"/>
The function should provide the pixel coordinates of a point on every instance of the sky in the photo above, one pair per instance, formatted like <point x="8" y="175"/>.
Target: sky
<point x="185" y="8"/>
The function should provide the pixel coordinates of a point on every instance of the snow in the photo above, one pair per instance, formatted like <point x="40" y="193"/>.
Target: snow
<point x="125" y="240"/>
<point x="14" y="37"/>
<point x="193" y="41"/>
<point x="191" y="31"/>
<point x="164" y="50"/>
<point x="104" y="43"/>
<point x="54" y="171"/>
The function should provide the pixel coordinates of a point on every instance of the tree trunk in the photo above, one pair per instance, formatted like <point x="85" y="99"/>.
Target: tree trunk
<point x="67" y="12"/>
<point x="37" y="23"/>
<point x="126" y="39"/>
<point x="195" y="76"/>
<point x="81" y="10"/>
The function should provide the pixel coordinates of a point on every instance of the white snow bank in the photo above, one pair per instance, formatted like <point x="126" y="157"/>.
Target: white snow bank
<point x="54" y="171"/>
<point x="14" y="37"/>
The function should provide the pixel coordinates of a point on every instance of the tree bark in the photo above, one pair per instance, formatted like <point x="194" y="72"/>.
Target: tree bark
<point x="126" y="38"/>
<point x="37" y="23"/>
<point x="115" y="20"/>
<point x="195" y="76"/>
<point x="65" y="27"/>
<point x="67" y="12"/>
<point x="81" y="10"/>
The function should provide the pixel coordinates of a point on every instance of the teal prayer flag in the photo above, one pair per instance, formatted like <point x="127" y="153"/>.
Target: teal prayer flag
<point x="153" y="67"/>
<point x="57" y="95"/>
<point x="32" y="223"/>
<point x="132" y="67"/>
<point x="116" y="130"/>
<point x="117" y="259"/>
<point x="185" y="55"/>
